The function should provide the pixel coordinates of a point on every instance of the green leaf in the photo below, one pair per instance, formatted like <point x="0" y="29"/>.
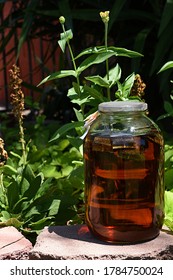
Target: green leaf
<point x="72" y="94"/>
<point x="94" y="93"/>
<point x="67" y="35"/>
<point x="27" y="179"/>
<point x="116" y="10"/>
<point x="78" y="99"/>
<point x="169" y="224"/>
<point x="41" y="204"/>
<point x="65" y="128"/>
<point x="167" y="16"/>
<point x="17" y="208"/>
<point x="124" y="52"/>
<point x="66" y="170"/>
<point x="4" y="216"/>
<point x="163" y="116"/>
<point x="13" y="194"/>
<point x="79" y="115"/>
<point x="98" y="80"/>
<point x="9" y="170"/>
<point x="124" y="89"/>
<point x="81" y="101"/>
<point x="63" y="144"/>
<point x="50" y="171"/>
<point x="114" y="75"/>
<point x="6" y="39"/>
<point x="27" y="23"/>
<point x="100" y="54"/>
<point x="168" y="154"/>
<point x="166" y="66"/>
<point x="169" y="205"/>
<point x="45" y="187"/>
<point x="40" y="224"/>
<point x="75" y="142"/>
<point x="168" y="179"/>
<point x="15" y="155"/>
<point x="64" y="38"/>
<point x="90" y="50"/>
<point x="162" y="49"/>
<point x="12" y="222"/>
<point x="58" y="75"/>
<point x="140" y="41"/>
<point x="54" y="207"/>
<point x="127" y="85"/>
<point x="24" y="185"/>
<point x="111" y="49"/>
<point x="3" y="200"/>
<point x="30" y="211"/>
<point x="28" y="173"/>
<point x="168" y="107"/>
<point x="94" y="59"/>
<point x="34" y="187"/>
<point x="76" y="88"/>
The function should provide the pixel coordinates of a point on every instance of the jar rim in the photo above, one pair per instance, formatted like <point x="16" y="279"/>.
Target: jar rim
<point x="122" y="106"/>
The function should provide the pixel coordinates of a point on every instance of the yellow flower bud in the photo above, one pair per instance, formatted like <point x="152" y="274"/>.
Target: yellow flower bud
<point x="62" y="20"/>
<point x="104" y="16"/>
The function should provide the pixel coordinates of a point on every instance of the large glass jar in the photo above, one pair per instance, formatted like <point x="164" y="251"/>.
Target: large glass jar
<point x="124" y="168"/>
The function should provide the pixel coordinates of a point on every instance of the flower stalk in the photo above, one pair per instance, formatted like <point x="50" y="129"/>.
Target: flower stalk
<point x="62" y="21"/>
<point x="17" y="102"/>
<point x="105" y="18"/>
<point x="3" y="159"/>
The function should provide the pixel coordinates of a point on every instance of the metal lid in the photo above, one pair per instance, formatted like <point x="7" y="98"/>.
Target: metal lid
<point x="122" y="106"/>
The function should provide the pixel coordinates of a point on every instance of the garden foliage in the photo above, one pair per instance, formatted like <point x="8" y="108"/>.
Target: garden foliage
<point x="47" y="187"/>
<point x="42" y="184"/>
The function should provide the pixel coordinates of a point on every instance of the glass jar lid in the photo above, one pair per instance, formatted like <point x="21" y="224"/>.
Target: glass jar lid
<point x="122" y="106"/>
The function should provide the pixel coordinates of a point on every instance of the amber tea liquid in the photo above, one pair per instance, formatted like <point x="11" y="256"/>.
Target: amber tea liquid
<point x="124" y="187"/>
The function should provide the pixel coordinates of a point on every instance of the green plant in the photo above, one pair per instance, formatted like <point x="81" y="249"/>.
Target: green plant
<point x="168" y="159"/>
<point x="87" y="94"/>
<point x="169" y="167"/>
<point x="149" y="32"/>
<point x="41" y="182"/>
<point x="33" y="191"/>
<point x="168" y="106"/>
<point x="87" y="91"/>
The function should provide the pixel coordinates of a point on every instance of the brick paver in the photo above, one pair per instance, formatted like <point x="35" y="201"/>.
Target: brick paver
<point x="13" y="245"/>
<point x="76" y="242"/>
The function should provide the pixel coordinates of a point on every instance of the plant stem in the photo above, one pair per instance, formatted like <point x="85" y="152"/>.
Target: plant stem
<point x="107" y="64"/>
<point x="22" y="140"/>
<point x="72" y="57"/>
<point x="3" y="190"/>
<point x="17" y="101"/>
<point x="75" y="67"/>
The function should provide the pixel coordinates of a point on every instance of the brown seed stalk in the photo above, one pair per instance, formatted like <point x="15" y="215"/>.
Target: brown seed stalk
<point x="17" y="101"/>
<point x="138" y="87"/>
<point x="3" y="153"/>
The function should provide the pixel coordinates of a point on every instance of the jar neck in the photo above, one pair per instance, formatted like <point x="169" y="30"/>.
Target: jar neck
<point x="123" y="113"/>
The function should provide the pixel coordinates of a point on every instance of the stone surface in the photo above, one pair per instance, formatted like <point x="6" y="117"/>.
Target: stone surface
<point x="13" y="245"/>
<point x="76" y="242"/>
